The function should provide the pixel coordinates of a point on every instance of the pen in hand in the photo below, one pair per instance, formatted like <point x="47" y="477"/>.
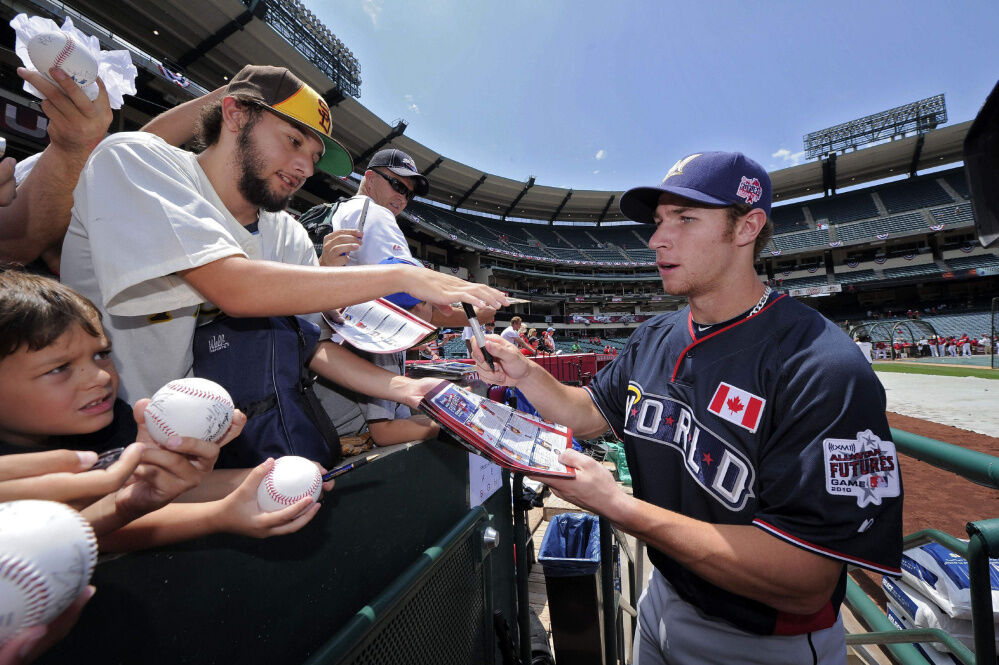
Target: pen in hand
<point x="473" y="321"/>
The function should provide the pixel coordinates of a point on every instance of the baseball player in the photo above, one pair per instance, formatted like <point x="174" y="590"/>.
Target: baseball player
<point x="755" y="432"/>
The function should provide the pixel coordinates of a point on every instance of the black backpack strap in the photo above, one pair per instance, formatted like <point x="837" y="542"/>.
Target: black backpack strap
<point x="313" y="407"/>
<point x="317" y="222"/>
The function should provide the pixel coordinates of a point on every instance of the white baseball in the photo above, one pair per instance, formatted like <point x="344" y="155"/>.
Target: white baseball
<point x="289" y="480"/>
<point x="197" y="408"/>
<point x="61" y="50"/>
<point x="47" y="555"/>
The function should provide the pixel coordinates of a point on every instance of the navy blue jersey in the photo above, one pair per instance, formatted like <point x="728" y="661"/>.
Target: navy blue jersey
<point x="776" y="420"/>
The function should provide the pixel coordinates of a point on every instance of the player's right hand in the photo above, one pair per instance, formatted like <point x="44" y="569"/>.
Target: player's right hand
<point x="511" y="365"/>
<point x="337" y="247"/>
<point x="64" y="475"/>
<point x="441" y="290"/>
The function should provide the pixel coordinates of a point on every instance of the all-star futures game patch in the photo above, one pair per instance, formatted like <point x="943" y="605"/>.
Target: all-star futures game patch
<point x="865" y="467"/>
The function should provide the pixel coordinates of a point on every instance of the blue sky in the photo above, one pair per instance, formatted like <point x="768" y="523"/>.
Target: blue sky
<point x="607" y="95"/>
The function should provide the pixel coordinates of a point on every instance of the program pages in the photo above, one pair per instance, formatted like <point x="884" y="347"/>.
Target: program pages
<point x="513" y="439"/>
<point x="378" y="326"/>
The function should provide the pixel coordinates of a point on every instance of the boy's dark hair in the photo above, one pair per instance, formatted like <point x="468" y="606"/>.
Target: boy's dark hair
<point x="210" y="123"/>
<point x="35" y="311"/>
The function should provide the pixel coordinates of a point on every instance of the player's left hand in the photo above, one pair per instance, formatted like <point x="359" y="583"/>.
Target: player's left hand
<point x="593" y="489"/>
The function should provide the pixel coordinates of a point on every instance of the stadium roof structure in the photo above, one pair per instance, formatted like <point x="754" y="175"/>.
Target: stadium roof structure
<point x="213" y="39"/>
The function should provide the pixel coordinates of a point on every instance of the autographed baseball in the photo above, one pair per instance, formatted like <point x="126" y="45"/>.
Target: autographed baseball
<point x="197" y="408"/>
<point x="289" y="480"/>
<point x="61" y="50"/>
<point x="47" y="555"/>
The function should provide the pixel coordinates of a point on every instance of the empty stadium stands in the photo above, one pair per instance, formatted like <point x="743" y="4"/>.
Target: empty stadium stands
<point x="906" y="207"/>
<point x="907" y="195"/>
<point x="844" y="207"/>
<point x="871" y="228"/>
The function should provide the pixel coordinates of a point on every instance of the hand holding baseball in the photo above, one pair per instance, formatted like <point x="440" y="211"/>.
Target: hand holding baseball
<point x="30" y="643"/>
<point x="241" y="513"/>
<point x="337" y="247"/>
<point x="76" y="124"/>
<point x="168" y="471"/>
<point x="47" y="555"/>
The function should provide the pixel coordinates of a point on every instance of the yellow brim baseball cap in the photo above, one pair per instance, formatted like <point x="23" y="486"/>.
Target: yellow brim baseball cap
<point x="285" y="94"/>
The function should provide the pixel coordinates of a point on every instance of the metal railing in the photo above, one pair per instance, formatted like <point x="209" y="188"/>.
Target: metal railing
<point x="983" y="543"/>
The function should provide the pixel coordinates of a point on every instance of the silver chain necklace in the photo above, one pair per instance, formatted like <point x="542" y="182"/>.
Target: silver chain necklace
<point x="762" y="302"/>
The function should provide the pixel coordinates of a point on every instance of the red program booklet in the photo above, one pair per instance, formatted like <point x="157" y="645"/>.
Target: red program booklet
<point x="513" y="439"/>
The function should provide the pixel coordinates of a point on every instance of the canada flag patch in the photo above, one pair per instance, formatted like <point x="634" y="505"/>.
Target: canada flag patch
<point x="750" y="190"/>
<point x="737" y="406"/>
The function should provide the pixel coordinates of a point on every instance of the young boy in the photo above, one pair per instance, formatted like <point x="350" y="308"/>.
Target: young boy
<point x="58" y="389"/>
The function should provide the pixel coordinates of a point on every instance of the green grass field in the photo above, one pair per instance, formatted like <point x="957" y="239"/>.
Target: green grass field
<point x="934" y="370"/>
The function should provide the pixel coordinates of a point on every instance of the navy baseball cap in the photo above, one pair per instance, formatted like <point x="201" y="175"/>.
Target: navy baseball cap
<point x="712" y="178"/>
<point x="400" y="163"/>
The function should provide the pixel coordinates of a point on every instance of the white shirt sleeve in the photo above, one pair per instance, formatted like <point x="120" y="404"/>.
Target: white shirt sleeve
<point x="145" y="219"/>
<point x="382" y="238"/>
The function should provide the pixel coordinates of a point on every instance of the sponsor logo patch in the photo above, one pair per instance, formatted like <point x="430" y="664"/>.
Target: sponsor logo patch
<point x="737" y="406"/>
<point x="865" y="467"/>
<point x="750" y="190"/>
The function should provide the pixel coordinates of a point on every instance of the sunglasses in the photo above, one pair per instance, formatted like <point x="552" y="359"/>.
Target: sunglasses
<point x="398" y="186"/>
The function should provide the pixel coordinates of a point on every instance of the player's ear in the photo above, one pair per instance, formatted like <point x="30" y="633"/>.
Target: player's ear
<point x="749" y="226"/>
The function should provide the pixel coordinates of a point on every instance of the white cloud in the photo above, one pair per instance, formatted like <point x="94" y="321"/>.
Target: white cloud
<point x="596" y="172"/>
<point x="373" y="8"/>
<point x="411" y="105"/>
<point x="788" y="158"/>
<point x="601" y="154"/>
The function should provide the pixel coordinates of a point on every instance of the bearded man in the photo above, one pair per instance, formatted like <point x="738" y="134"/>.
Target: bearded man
<point x="158" y="233"/>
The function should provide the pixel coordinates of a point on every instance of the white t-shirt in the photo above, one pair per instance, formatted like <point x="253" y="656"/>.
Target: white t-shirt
<point x="466" y="332"/>
<point x="382" y="238"/>
<point x="144" y="210"/>
<point x="510" y="335"/>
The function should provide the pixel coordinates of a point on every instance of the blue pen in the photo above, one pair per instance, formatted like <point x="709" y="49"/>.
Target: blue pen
<point x="340" y="470"/>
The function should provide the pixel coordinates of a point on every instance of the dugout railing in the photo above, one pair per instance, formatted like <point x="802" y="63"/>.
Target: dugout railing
<point x="982" y="544"/>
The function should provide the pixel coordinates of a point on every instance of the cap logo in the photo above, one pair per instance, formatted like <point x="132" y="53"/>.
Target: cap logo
<point x="677" y="169"/>
<point x="750" y="190"/>
<point x="324" y="115"/>
<point x="409" y="164"/>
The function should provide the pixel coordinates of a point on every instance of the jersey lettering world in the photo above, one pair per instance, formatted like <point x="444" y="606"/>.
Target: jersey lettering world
<point x="715" y="464"/>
